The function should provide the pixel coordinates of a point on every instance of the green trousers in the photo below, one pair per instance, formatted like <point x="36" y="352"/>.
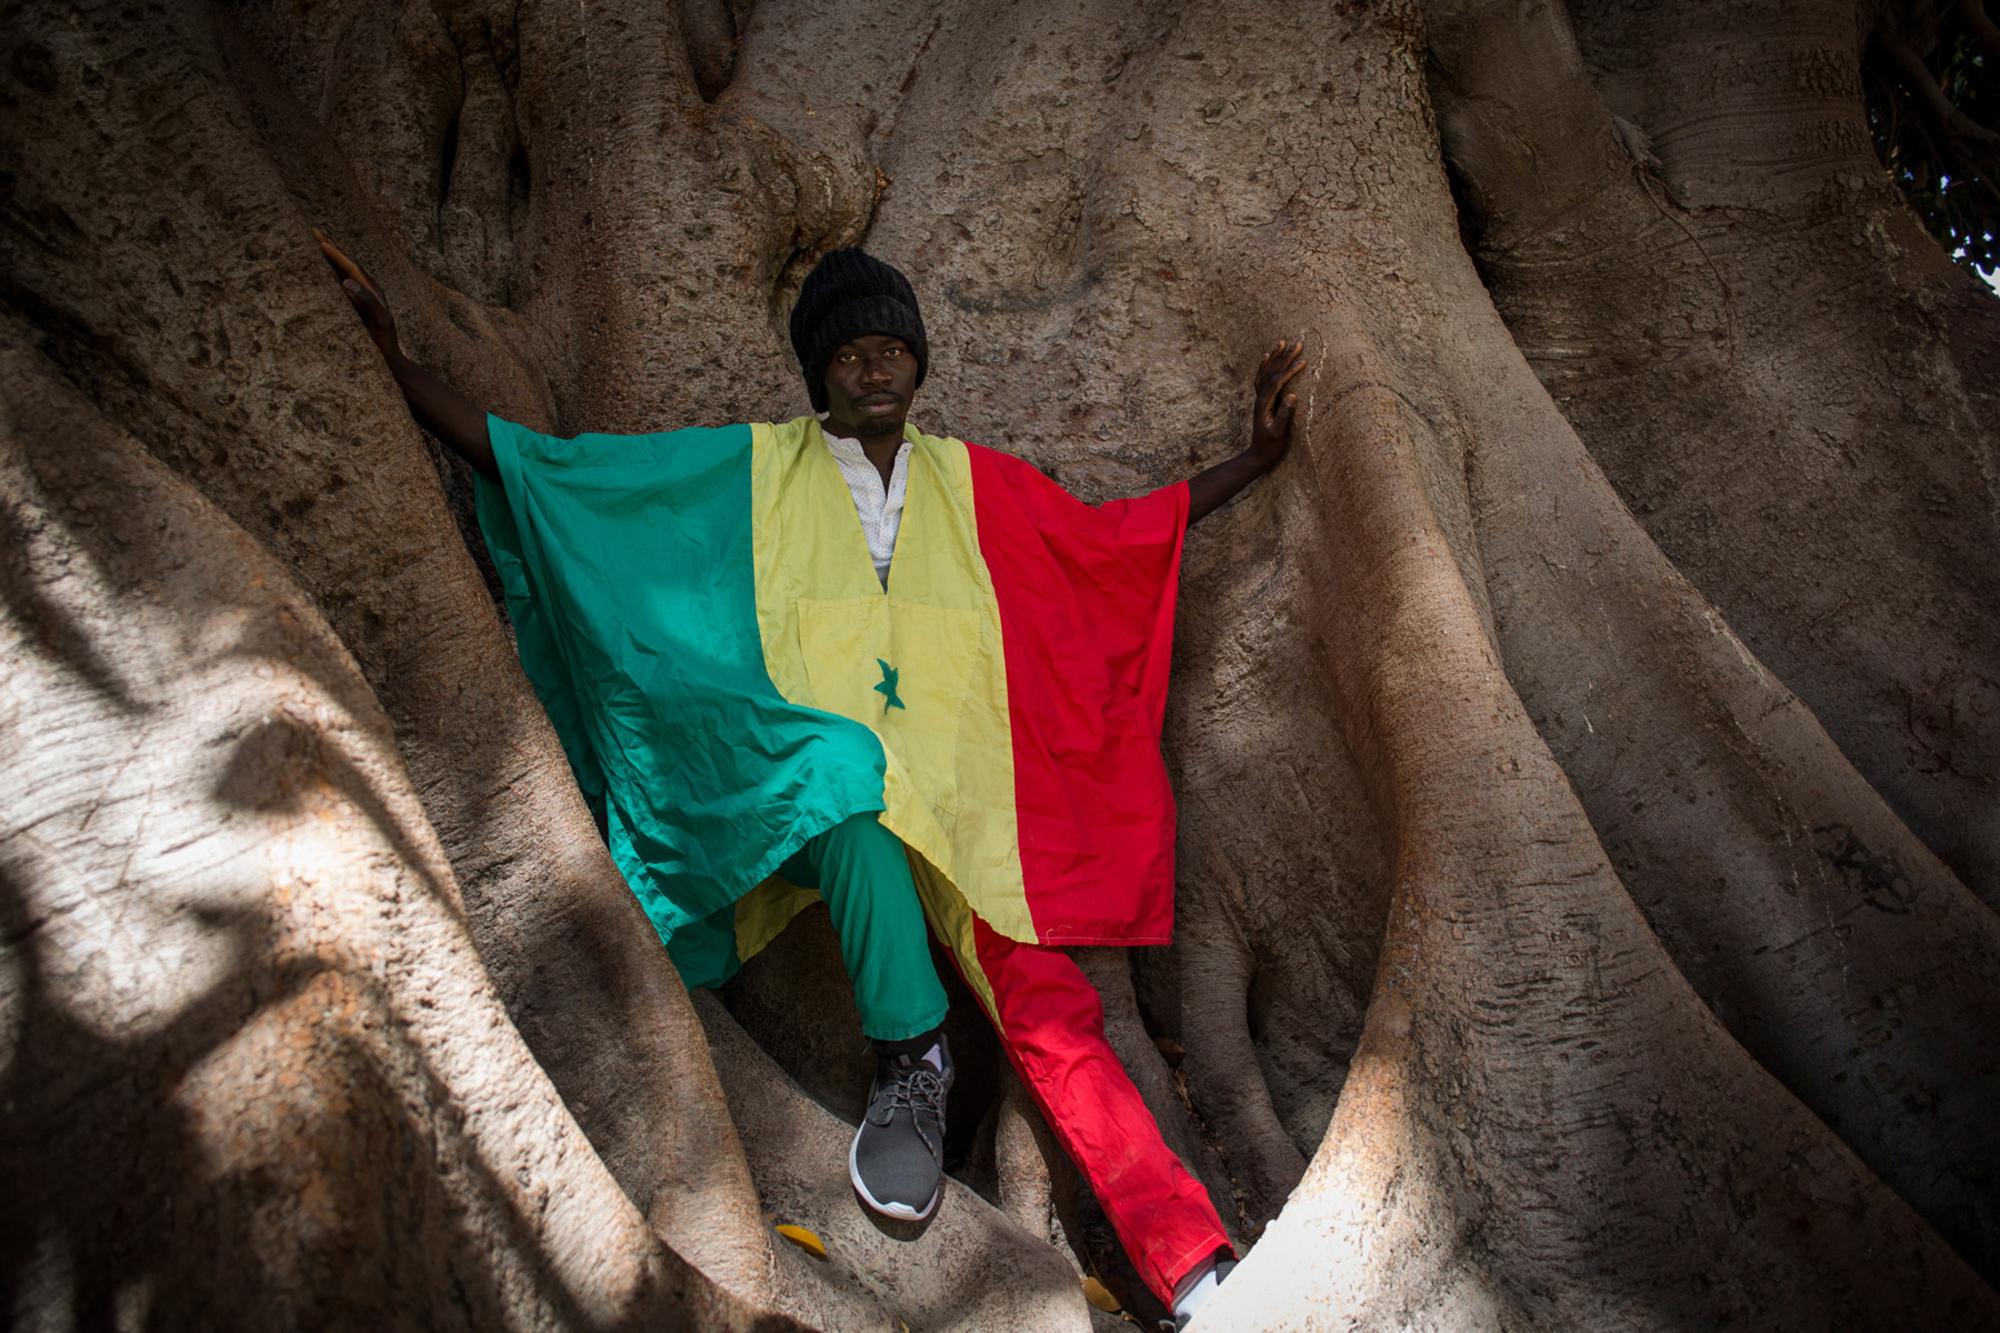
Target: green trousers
<point x="861" y="871"/>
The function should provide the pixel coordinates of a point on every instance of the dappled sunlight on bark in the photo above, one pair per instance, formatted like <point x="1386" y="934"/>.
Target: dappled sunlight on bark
<point x="1585" y="741"/>
<point x="258" y="1074"/>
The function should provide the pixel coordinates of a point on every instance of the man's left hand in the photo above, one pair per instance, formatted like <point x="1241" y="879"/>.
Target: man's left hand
<point x="1271" y="424"/>
<point x="1270" y="433"/>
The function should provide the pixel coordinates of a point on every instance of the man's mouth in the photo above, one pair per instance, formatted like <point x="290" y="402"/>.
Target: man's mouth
<point x="878" y="400"/>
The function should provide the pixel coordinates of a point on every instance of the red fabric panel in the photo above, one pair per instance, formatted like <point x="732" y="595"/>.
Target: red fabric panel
<point x="1051" y="1025"/>
<point x="1086" y="596"/>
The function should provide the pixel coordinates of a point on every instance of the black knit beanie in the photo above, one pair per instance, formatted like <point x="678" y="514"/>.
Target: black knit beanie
<point x="847" y="294"/>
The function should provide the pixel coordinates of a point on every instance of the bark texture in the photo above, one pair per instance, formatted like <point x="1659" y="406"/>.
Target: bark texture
<point x="1588" y="741"/>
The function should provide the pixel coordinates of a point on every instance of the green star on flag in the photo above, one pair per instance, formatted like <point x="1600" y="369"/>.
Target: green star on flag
<point x="887" y="689"/>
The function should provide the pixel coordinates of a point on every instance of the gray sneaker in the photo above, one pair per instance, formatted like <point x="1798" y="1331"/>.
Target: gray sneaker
<point x="897" y="1160"/>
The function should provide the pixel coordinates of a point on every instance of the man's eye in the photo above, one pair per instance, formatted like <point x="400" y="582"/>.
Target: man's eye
<point x="892" y="351"/>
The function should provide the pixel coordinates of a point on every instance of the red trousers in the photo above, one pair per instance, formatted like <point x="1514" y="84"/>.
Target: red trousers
<point x="1051" y="1025"/>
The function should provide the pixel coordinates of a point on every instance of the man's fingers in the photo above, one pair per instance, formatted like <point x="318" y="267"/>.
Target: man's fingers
<point x="1285" y="353"/>
<point x="1267" y="394"/>
<point x="1281" y="364"/>
<point x="1269" y="367"/>
<point x="1280" y="374"/>
<point x="336" y="256"/>
<point x="343" y="265"/>
<point x="1290" y="373"/>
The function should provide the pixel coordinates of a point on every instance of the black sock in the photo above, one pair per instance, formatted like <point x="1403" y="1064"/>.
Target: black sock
<point x="916" y="1045"/>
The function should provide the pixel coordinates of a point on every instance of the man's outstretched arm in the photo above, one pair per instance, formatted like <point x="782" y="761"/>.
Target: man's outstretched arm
<point x="440" y="409"/>
<point x="1270" y="434"/>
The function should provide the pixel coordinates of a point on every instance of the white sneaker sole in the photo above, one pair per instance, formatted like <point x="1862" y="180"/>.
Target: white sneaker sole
<point x="902" y="1212"/>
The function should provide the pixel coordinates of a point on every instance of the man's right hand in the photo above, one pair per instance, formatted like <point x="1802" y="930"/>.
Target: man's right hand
<point x="440" y="409"/>
<point x="366" y="296"/>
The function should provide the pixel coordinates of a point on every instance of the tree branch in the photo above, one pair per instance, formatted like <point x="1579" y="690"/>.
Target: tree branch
<point x="1967" y="133"/>
<point x="1981" y="26"/>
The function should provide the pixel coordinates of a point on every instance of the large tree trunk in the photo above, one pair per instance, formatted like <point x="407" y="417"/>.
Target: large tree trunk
<point x="1588" y="743"/>
<point x="256" y="1075"/>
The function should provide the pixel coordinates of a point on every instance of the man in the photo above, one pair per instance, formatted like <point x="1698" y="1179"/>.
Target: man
<point x="944" y="714"/>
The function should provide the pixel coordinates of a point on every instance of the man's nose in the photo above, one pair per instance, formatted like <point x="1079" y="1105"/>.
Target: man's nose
<point x="874" y="371"/>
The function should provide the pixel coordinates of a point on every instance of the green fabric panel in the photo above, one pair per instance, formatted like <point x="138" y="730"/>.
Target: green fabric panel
<point x="863" y="873"/>
<point x="704" y="951"/>
<point x="628" y="567"/>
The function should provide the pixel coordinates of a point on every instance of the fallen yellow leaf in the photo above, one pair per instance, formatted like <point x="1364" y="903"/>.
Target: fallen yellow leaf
<point x="802" y="1238"/>
<point x="1094" y="1292"/>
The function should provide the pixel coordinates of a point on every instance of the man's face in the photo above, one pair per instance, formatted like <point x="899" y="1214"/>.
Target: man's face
<point x="869" y="384"/>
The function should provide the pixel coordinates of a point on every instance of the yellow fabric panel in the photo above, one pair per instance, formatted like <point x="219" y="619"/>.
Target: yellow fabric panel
<point x="766" y="910"/>
<point x="828" y="625"/>
<point x="951" y="921"/>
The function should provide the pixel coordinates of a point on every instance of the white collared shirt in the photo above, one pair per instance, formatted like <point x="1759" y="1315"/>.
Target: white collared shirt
<point x="881" y="511"/>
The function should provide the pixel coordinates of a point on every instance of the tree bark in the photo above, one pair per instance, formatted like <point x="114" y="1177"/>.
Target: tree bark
<point x="256" y="1072"/>
<point x="1587" y="743"/>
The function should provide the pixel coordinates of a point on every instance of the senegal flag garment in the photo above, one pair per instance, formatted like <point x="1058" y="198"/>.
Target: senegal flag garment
<point x="700" y="616"/>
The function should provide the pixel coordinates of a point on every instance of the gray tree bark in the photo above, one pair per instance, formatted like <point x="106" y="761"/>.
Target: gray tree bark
<point x="1586" y="742"/>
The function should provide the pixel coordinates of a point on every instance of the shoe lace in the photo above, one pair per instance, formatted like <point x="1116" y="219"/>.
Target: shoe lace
<point x="918" y="1088"/>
